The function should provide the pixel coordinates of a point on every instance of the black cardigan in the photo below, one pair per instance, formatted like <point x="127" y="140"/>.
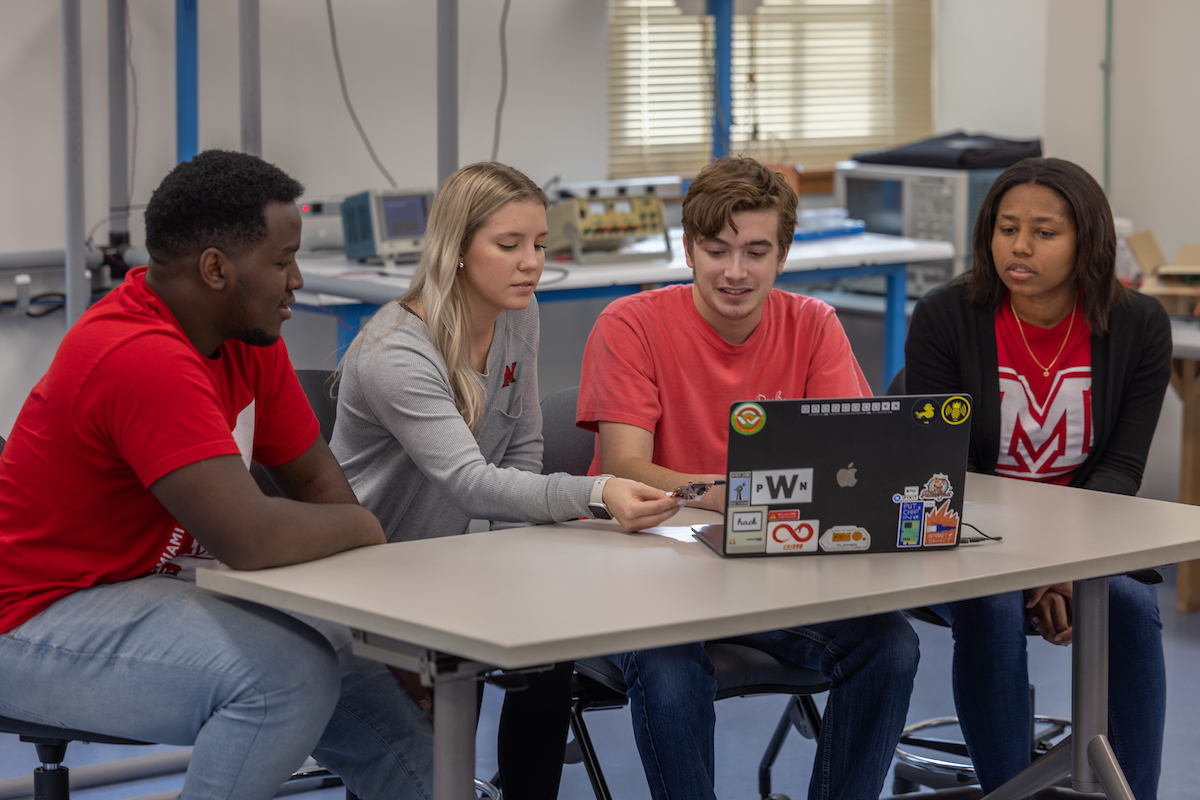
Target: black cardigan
<point x="951" y="347"/>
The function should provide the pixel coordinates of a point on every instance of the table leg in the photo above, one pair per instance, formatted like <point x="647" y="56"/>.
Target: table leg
<point x="1185" y="377"/>
<point x="454" y="738"/>
<point x="894" y="323"/>
<point x="1086" y="755"/>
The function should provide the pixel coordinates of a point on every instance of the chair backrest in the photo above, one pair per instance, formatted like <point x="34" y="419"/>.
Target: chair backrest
<point x="318" y="386"/>
<point x="897" y="384"/>
<point x="567" y="448"/>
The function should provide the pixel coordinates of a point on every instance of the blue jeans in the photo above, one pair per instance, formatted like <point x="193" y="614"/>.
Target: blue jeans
<point x="991" y="683"/>
<point x="869" y="662"/>
<point x="253" y="689"/>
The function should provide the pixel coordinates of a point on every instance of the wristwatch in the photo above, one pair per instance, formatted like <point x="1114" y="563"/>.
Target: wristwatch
<point x="596" y="507"/>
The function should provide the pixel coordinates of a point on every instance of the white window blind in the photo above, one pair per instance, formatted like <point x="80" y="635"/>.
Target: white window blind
<point x="813" y="82"/>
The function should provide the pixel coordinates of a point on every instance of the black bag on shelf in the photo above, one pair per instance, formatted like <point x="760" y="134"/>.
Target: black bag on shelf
<point x="958" y="150"/>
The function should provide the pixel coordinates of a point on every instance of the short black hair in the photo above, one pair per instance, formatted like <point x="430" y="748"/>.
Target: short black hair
<point x="218" y="199"/>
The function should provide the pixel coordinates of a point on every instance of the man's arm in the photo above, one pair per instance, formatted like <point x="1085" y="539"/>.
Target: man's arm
<point x="218" y="502"/>
<point x="627" y="452"/>
<point x="313" y="477"/>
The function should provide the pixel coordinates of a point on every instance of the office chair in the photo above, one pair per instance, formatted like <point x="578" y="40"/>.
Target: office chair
<point x="741" y="671"/>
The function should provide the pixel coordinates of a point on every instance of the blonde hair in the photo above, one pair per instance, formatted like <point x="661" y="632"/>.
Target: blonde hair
<point x="463" y="203"/>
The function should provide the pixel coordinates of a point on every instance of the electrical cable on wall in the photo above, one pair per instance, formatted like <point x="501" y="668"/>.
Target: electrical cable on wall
<point x="503" y="77"/>
<point x="337" y="60"/>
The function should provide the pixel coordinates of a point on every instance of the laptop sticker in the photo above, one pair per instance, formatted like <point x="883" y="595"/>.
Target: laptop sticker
<point x="738" y="491"/>
<point x="745" y="530"/>
<point x="748" y="418"/>
<point x="776" y="486"/>
<point x="787" y="533"/>
<point x="845" y="538"/>
<point x="912" y="523"/>
<point x="956" y="410"/>
<point x="941" y="525"/>
<point x="937" y="488"/>
<point x="910" y="493"/>
<point x="924" y="411"/>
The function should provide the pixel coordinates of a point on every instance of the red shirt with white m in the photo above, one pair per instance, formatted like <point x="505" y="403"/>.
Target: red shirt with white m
<point x="1045" y="420"/>
<point x="127" y="400"/>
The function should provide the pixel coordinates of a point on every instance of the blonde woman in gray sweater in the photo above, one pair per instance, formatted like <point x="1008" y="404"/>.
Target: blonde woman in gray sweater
<point x="439" y="422"/>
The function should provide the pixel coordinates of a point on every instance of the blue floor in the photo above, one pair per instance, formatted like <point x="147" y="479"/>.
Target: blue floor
<point x="745" y="724"/>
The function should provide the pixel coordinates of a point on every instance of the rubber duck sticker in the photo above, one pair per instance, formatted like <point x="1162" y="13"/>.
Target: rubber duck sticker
<point x="924" y="412"/>
<point x="937" y="488"/>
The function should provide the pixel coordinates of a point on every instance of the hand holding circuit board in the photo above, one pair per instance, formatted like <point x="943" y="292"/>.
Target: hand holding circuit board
<point x="694" y="491"/>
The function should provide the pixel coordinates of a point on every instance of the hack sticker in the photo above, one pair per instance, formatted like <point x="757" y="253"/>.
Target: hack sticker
<point x="941" y="526"/>
<point x="748" y="418"/>
<point x="841" y="538"/>
<point x="956" y="410"/>
<point x="746" y="527"/>
<point x="738" y="493"/>
<point x="912" y="523"/>
<point x="787" y="533"/>
<point x="938" y="487"/>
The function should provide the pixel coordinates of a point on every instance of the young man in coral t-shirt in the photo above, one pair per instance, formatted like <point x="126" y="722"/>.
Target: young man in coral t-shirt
<point x="660" y="371"/>
<point x="127" y="469"/>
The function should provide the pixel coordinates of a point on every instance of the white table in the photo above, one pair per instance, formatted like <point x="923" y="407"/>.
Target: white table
<point x="454" y="607"/>
<point x="813" y="261"/>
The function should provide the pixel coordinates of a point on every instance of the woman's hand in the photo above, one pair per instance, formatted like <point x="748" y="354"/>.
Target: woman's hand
<point x="1050" y="609"/>
<point x="636" y="505"/>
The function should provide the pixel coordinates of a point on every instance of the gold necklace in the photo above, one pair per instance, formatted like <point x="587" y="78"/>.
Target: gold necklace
<point x="1045" y="370"/>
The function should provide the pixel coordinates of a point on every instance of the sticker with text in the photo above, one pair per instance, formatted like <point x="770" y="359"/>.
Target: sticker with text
<point x="941" y="526"/>
<point x="738" y="490"/>
<point x="912" y="523"/>
<point x="787" y="533"/>
<point x="845" y="538"/>
<point x="938" y="487"/>
<point x="774" y="486"/>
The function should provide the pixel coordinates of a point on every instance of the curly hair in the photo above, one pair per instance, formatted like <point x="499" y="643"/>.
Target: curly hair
<point x="729" y="185"/>
<point x="218" y="199"/>
<point x="1095" y="237"/>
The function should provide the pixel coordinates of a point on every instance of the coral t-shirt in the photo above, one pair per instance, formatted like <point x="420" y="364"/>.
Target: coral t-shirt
<point x="127" y="400"/>
<point x="654" y="362"/>
<point x="1045" y="420"/>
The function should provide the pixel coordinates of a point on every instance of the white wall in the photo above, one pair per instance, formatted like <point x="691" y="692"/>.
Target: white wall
<point x="990" y="67"/>
<point x="554" y="117"/>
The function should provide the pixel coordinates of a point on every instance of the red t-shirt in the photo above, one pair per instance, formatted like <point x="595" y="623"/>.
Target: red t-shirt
<point x="654" y="362"/>
<point x="1045" y="421"/>
<point x="127" y="400"/>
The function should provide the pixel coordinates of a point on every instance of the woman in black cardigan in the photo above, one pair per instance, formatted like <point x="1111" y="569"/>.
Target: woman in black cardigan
<point x="1068" y="370"/>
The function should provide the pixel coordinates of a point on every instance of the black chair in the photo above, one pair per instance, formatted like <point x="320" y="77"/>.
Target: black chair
<point x="741" y="671"/>
<point x="320" y="387"/>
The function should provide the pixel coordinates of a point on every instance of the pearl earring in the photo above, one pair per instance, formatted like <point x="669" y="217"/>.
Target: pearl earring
<point x="460" y="265"/>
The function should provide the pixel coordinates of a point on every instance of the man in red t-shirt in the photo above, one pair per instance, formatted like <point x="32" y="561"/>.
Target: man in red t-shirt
<point x="127" y="468"/>
<point x="659" y="373"/>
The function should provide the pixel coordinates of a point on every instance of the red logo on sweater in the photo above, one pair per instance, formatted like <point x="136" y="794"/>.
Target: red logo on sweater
<point x="510" y="374"/>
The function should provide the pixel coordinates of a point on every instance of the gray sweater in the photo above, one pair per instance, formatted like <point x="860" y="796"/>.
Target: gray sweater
<point x="411" y="458"/>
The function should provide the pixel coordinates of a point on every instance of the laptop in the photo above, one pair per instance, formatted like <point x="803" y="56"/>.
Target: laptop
<point x="843" y="475"/>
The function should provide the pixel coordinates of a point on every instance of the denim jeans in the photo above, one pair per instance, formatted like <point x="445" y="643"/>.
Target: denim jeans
<point x="991" y="683"/>
<point x="253" y="689"/>
<point x="869" y="662"/>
